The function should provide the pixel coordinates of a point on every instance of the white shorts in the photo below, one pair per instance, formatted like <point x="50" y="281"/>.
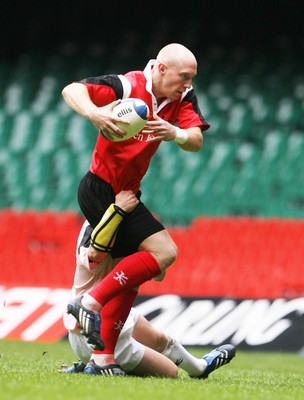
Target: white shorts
<point x="128" y="352"/>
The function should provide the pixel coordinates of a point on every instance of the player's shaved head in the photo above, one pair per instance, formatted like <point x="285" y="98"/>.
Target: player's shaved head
<point x="174" y="53"/>
<point x="173" y="71"/>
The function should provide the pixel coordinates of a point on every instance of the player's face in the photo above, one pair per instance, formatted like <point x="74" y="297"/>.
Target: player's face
<point x="177" y="79"/>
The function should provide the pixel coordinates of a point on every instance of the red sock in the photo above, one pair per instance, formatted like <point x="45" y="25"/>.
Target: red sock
<point x="114" y="315"/>
<point x="128" y="274"/>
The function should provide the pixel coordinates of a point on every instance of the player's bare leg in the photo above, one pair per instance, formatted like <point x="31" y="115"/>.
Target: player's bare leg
<point x="200" y="368"/>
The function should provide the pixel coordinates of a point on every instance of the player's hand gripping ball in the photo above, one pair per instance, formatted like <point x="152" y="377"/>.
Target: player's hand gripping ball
<point x="136" y="112"/>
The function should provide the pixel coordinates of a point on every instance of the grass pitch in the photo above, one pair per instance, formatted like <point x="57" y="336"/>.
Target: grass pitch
<point x="29" y="371"/>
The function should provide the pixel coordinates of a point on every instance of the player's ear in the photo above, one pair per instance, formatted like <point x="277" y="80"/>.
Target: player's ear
<point x="162" y="68"/>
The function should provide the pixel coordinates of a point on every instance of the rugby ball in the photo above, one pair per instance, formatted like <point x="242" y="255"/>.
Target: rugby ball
<point x="136" y="112"/>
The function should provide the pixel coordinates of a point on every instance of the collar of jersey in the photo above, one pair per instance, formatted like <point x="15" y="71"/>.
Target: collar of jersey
<point x="148" y="76"/>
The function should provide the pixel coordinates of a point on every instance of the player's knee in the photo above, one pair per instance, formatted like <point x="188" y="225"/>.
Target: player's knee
<point x="161" y="342"/>
<point x="162" y="247"/>
<point x="167" y="256"/>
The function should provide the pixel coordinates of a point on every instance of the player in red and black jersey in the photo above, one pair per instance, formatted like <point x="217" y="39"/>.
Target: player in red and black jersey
<point x="139" y="244"/>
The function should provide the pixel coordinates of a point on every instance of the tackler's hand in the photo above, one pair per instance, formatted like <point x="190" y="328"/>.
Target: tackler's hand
<point x="126" y="200"/>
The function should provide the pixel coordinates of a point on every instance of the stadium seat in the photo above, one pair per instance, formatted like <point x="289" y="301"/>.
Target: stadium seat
<point x="254" y="105"/>
<point x="6" y="122"/>
<point x="51" y="135"/>
<point x="24" y="131"/>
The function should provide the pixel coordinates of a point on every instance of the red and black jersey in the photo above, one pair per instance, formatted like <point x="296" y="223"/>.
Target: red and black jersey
<point x="123" y="164"/>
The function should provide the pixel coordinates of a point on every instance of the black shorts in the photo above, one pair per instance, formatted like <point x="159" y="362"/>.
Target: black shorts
<point x="95" y="196"/>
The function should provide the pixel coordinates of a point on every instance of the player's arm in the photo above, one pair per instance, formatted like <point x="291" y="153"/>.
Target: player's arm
<point x="190" y="139"/>
<point x="104" y="235"/>
<point x="77" y="96"/>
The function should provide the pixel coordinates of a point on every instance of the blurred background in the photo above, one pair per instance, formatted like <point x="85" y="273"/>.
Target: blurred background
<point x="235" y="209"/>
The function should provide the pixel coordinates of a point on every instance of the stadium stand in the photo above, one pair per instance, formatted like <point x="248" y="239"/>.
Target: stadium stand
<point x="235" y="209"/>
<point x="221" y="257"/>
<point x="252" y="158"/>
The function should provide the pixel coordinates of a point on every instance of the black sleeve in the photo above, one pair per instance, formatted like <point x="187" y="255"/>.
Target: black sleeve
<point x="191" y="98"/>
<point x="109" y="80"/>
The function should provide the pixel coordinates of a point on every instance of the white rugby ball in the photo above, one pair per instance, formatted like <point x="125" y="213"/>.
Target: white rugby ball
<point x="136" y="112"/>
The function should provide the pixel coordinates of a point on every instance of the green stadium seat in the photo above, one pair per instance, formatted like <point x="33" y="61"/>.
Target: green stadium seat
<point x="47" y="96"/>
<point x="14" y="180"/>
<point x="251" y="162"/>
<point x="51" y="135"/>
<point x="24" y="131"/>
<point x="80" y="134"/>
<point x="6" y="122"/>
